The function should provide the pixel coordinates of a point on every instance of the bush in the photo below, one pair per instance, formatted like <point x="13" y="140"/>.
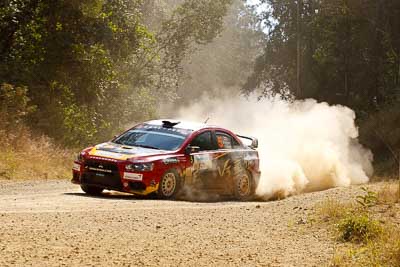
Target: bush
<point x="369" y="198"/>
<point x="24" y="156"/>
<point x="359" y="228"/>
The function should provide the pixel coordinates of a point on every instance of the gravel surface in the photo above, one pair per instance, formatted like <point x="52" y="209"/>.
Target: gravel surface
<point x="53" y="223"/>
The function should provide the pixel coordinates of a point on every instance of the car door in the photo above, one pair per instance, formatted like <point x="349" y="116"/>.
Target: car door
<point x="203" y="171"/>
<point x="229" y="159"/>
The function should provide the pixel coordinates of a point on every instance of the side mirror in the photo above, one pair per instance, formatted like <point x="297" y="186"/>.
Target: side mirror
<point x="254" y="143"/>
<point x="192" y="149"/>
<point x="245" y="140"/>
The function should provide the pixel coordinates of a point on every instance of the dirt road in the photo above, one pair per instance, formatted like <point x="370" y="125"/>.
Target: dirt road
<point x="52" y="223"/>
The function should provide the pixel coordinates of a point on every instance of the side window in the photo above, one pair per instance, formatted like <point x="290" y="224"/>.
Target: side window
<point x="224" y="140"/>
<point x="203" y="141"/>
<point x="235" y="143"/>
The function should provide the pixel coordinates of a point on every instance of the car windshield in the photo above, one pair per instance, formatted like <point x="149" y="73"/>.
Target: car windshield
<point x="155" y="137"/>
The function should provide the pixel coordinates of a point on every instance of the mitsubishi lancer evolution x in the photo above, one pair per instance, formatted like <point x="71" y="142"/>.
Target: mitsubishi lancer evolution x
<point x="161" y="157"/>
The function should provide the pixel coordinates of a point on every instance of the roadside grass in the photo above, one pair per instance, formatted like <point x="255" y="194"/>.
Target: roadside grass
<point x="383" y="250"/>
<point x="332" y="210"/>
<point x="367" y="230"/>
<point x="24" y="156"/>
<point x="389" y="193"/>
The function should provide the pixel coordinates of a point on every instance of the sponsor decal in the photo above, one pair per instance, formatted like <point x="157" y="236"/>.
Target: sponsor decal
<point x="220" y="155"/>
<point x="133" y="176"/>
<point x="201" y="162"/>
<point x="225" y="170"/>
<point x="170" y="161"/>
<point x="76" y="167"/>
<point x="202" y="157"/>
<point x="99" y="169"/>
<point x="104" y="159"/>
<point x="107" y="154"/>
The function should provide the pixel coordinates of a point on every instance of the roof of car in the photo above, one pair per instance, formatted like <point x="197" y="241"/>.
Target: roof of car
<point x="189" y="125"/>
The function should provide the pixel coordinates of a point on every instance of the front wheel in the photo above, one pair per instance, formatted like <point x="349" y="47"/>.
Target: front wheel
<point x="244" y="186"/>
<point x="91" y="190"/>
<point x="169" y="185"/>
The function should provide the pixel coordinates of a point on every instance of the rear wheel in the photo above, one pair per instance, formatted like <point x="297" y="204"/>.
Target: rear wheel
<point x="92" y="190"/>
<point x="244" y="186"/>
<point x="169" y="185"/>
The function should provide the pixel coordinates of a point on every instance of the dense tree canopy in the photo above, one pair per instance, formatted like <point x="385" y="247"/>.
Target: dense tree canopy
<point x="91" y="67"/>
<point x="80" y="71"/>
<point x="349" y="51"/>
<point x="339" y="51"/>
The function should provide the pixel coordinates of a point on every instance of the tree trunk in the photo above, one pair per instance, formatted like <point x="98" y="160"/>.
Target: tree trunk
<point x="299" y="91"/>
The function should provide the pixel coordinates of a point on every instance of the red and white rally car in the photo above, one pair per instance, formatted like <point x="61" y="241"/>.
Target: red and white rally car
<point x="163" y="156"/>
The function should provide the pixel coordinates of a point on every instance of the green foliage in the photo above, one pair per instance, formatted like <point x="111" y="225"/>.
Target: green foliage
<point x="94" y="67"/>
<point x="368" y="199"/>
<point x="220" y="67"/>
<point x="369" y="242"/>
<point x="349" y="54"/>
<point x="359" y="228"/>
<point x="379" y="130"/>
<point x="349" y="51"/>
<point x="14" y="105"/>
<point x="191" y="24"/>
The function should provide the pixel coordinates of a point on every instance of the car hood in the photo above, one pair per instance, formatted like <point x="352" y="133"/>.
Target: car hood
<point x="122" y="152"/>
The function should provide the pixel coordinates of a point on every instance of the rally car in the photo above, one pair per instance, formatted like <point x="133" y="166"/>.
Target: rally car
<point x="161" y="157"/>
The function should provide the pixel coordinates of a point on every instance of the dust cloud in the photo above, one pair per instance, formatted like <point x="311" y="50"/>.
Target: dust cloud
<point x="303" y="145"/>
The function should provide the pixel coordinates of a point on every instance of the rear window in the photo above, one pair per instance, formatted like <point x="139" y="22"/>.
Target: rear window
<point x="155" y="137"/>
<point x="226" y="141"/>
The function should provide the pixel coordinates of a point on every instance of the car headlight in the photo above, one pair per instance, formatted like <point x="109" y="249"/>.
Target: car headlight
<point x="141" y="167"/>
<point x="79" y="157"/>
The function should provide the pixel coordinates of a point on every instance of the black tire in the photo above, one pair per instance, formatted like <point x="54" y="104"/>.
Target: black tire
<point x="92" y="190"/>
<point x="170" y="185"/>
<point x="244" y="186"/>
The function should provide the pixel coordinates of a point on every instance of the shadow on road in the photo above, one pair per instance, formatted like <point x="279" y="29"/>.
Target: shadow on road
<point x="110" y="195"/>
<point x="126" y="196"/>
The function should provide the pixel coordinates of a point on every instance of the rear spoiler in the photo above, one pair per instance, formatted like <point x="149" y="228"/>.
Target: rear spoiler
<point x="254" y="141"/>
